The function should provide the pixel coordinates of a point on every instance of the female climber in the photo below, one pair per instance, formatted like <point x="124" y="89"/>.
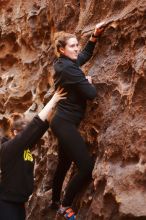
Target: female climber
<point x="68" y="115"/>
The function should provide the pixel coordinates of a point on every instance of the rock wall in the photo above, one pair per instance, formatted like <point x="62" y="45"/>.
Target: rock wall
<point x="115" y="123"/>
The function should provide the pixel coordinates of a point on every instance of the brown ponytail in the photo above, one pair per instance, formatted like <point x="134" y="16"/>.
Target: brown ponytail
<point x="5" y="127"/>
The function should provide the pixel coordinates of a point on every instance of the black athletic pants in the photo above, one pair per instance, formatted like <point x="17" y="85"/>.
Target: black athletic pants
<point x="71" y="148"/>
<point x="12" y="211"/>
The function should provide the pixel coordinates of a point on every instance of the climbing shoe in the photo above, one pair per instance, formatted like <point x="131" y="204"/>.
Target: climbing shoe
<point x="65" y="213"/>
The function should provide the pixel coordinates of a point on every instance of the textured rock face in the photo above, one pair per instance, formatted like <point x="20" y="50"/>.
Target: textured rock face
<point x="115" y="123"/>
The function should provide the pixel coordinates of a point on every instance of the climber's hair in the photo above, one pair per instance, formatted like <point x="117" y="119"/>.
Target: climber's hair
<point x="11" y="123"/>
<point x="16" y="120"/>
<point x="60" y="41"/>
<point x="5" y="126"/>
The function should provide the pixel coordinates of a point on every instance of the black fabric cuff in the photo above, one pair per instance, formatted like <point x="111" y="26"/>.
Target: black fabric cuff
<point x="43" y="124"/>
<point x="91" y="45"/>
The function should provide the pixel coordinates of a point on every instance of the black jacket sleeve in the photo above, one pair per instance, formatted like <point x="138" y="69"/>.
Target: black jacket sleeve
<point x="86" y="53"/>
<point x="73" y="75"/>
<point x="26" y="138"/>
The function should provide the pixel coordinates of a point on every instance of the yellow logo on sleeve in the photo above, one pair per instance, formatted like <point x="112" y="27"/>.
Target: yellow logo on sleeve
<point x="27" y="155"/>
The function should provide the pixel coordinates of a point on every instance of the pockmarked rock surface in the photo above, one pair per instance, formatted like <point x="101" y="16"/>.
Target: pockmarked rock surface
<point x="115" y="123"/>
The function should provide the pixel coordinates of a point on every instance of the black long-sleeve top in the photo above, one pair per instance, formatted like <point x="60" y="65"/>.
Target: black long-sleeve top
<point x="17" y="162"/>
<point x="69" y="76"/>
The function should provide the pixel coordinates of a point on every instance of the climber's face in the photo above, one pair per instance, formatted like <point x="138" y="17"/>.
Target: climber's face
<point x="71" y="49"/>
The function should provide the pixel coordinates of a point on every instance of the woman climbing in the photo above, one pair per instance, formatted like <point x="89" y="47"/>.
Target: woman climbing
<point x="68" y="116"/>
